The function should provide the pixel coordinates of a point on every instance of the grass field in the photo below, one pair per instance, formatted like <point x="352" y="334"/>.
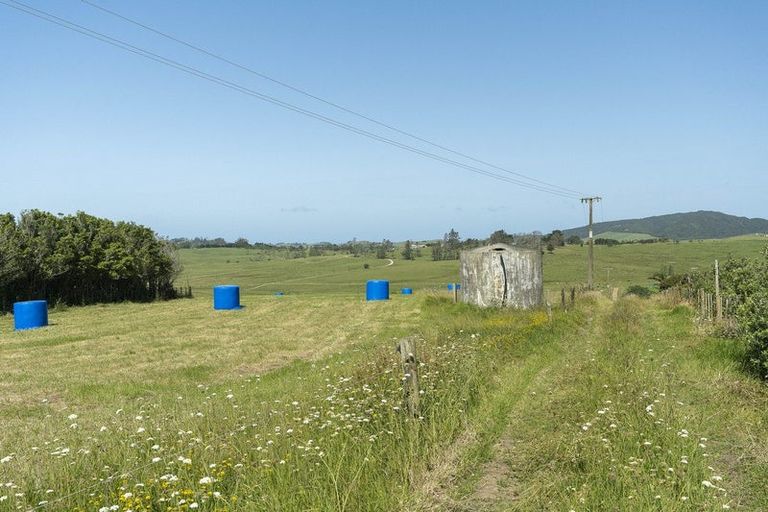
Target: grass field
<point x="623" y="265"/>
<point x="620" y="265"/>
<point x="624" y="237"/>
<point x="339" y="274"/>
<point x="294" y="402"/>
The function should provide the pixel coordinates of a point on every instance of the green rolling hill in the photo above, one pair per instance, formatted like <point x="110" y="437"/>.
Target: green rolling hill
<point x="679" y="226"/>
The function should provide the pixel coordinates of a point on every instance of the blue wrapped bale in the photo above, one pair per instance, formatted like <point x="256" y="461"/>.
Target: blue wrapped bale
<point x="226" y="296"/>
<point x="377" y="289"/>
<point x="30" y="314"/>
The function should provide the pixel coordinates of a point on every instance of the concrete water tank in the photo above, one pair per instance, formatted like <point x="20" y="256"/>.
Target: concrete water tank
<point x="501" y="275"/>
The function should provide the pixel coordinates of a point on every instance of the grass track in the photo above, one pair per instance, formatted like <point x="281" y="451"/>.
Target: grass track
<point x="635" y="414"/>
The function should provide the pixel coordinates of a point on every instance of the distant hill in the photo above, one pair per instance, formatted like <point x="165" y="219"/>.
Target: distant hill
<point x="681" y="226"/>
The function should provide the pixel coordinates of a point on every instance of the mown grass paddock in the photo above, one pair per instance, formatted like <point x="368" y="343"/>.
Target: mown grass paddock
<point x="294" y="402"/>
<point x="336" y="274"/>
<point x="627" y="264"/>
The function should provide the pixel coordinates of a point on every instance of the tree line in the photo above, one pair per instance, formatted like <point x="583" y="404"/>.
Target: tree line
<point x="82" y="259"/>
<point x="447" y="248"/>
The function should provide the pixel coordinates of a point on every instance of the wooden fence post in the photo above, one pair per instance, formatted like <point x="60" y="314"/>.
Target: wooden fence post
<point x="407" y="350"/>
<point x="562" y="297"/>
<point x="718" y="302"/>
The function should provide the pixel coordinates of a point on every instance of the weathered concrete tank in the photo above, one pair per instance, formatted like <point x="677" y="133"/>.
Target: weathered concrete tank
<point x="500" y="275"/>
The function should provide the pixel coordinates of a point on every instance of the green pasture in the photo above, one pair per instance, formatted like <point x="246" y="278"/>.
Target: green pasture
<point x="620" y="265"/>
<point x="626" y="264"/>
<point x="624" y="237"/>
<point x="295" y="402"/>
<point x="337" y="274"/>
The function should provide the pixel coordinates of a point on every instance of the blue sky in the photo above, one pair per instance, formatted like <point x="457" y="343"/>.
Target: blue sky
<point x="658" y="107"/>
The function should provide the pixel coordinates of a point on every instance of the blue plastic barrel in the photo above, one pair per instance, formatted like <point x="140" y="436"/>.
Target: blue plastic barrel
<point x="377" y="289"/>
<point x="458" y="286"/>
<point x="30" y="314"/>
<point x="450" y="286"/>
<point x="407" y="291"/>
<point x="226" y="296"/>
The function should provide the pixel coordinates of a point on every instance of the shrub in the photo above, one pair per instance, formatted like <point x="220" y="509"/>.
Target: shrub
<point x="753" y="319"/>
<point x="639" y="291"/>
<point x="746" y="281"/>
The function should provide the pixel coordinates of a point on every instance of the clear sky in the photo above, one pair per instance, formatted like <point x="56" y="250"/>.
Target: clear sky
<point x="657" y="106"/>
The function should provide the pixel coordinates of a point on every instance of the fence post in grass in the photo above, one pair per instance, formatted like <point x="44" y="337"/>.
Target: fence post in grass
<point x="455" y="293"/>
<point x="615" y="294"/>
<point x="549" y="312"/>
<point x="562" y="297"/>
<point x="407" y="350"/>
<point x="573" y="295"/>
<point x="718" y="301"/>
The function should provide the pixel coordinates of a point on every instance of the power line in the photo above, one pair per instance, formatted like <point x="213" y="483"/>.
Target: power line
<point x="318" y="98"/>
<point x="51" y="18"/>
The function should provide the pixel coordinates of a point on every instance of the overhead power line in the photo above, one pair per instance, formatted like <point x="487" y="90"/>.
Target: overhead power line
<point x="308" y="94"/>
<point x="51" y="18"/>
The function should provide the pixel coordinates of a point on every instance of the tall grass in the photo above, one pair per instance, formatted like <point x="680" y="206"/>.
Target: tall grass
<point x="616" y="430"/>
<point x="328" y="435"/>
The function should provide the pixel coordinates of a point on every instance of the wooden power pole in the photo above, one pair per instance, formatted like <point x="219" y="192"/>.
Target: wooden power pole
<point x="591" y="264"/>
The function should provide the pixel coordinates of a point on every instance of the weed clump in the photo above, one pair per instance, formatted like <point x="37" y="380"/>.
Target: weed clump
<point x="639" y="291"/>
<point x="625" y="315"/>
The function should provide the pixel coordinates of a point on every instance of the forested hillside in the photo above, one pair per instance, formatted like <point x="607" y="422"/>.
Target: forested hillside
<point x="681" y="226"/>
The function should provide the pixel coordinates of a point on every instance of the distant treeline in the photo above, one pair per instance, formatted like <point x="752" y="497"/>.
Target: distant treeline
<point x="289" y="250"/>
<point x="611" y="241"/>
<point x="82" y="259"/>
<point x="202" y="243"/>
<point x="447" y="248"/>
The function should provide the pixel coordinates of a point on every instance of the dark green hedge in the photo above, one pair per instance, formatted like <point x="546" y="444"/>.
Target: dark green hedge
<point x="82" y="259"/>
